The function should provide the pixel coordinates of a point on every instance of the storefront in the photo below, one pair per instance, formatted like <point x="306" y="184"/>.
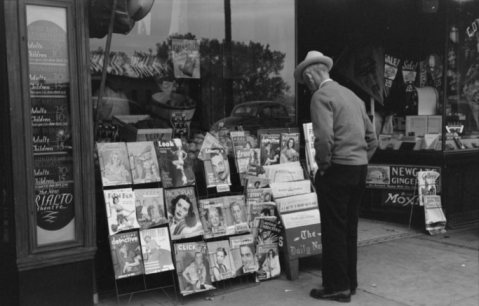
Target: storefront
<point x="179" y="68"/>
<point x="414" y="64"/>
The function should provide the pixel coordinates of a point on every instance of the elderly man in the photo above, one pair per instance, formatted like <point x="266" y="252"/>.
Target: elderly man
<point x="344" y="141"/>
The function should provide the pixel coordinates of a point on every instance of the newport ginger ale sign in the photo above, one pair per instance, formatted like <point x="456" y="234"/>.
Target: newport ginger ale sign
<point x="396" y="176"/>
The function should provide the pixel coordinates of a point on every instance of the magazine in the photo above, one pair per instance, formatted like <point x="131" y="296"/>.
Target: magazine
<point x="287" y="189"/>
<point x="209" y="142"/>
<point x="238" y="138"/>
<point x="213" y="217"/>
<point x="221" y="261"/>
<point x="143" y="161"/>
<point x="193" y="267"/>
<point x="243" y="252"/>
<point x="266" y="210"/>
<point x="258" y="195"/>
<point x="270" y="149"/>
<point x="427" y="184"/>
<point x="114" y="163"/>
<point x="297" y="202"/>
<point x="156" y="250"/>
<point x="254" y="182"/>
<point x="176" y="167"/>
<point x="309" y="148"/>
<point x="126" y="254"/>
<point x="236" y="217"/>
<point x="185" y="55"/>
<point x="243" y="157"/>
<point x="183" y="217"/>
<point x="268" y="232"/>
<point x="289" y="148"/>
<point x="216" y="166"/>
<point x="268" y="261"/>
<point x="120" y="210"/>
<point x="150" y="207"/>
<point x="285" y="172"/>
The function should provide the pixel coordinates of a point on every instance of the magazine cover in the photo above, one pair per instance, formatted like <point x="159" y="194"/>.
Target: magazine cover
<point x="209" y="142"/>
<point x="270" y="149"/>
<point x="289" y="148"/>
<point x="186" y="58"/>
<point x="156" y="250"/>
<point x="254" y="182"/>
<point x="114" y="163"/>
<point x="143" y="162"/>
<point x="427" y="184"/>
<point x="184" y="220"/>
<point x="268" y="261"/>
<point x="268" y="232"/>
<point x="259" y="195"/>
<point x="238" y="138"/>
<point x="176" y="167"/>
<point x="243" y="253"/>
<point x="243" y="158"/>
<point x="236" y="217"/>
<point x="221" y="261"/>
<point x="216" y="166"/>
<point x="309" y="147"/>
<point x="126" y="254"/>
<point x="284" y="172"/>
<point x="213" y="217"/>
<point x="261" y="210"/>
<point x="120" y="210"/>
<point x="150" y="207"/>
<point x="193" y="267"/>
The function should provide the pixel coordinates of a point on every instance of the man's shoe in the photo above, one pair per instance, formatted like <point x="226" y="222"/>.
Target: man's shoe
<point x="353" y="291"/>
<point x="340" y="296"/>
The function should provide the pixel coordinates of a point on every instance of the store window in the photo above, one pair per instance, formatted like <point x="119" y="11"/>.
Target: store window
<point x="462" y="69"/>
<point x="206" y="55"/>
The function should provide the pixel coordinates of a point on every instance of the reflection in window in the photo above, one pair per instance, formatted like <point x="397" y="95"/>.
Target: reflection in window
<point x="252" y="61"/>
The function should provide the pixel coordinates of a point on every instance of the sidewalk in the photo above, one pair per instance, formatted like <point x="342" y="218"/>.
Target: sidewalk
<point x="397" y="267"/>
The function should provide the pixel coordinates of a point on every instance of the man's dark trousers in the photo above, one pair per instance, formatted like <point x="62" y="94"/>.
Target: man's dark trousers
<point x="339" y="196"/>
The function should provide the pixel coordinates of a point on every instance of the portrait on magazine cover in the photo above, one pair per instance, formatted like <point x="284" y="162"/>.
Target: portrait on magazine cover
<point x="183" y="218"/>
<point x="193" y="267"/>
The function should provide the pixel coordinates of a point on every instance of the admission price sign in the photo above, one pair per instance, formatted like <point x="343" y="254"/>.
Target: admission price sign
<point x="51" y="123"/>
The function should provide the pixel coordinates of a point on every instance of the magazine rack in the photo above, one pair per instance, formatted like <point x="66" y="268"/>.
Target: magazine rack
<point x="146" y="288"/>
<point x="299" y="242"/>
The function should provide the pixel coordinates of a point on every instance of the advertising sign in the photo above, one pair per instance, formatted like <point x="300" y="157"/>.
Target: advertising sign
<point x="396" y="176"/>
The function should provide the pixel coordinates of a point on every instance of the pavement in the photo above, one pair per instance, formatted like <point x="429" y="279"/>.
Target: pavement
<point x="397" y="266"/>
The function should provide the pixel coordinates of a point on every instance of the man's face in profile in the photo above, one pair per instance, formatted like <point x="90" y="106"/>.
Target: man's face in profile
<point x="247" y="256"/>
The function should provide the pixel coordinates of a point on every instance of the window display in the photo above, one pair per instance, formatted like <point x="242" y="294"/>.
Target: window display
<point x="203" y="59"/>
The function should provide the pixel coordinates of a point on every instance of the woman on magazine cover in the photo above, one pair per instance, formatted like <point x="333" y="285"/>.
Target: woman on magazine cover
<point x="270" y="156"/>
<point x="271" y="264"/>
<point x="220" y="269"/>
<point x="289" y="154"/>
<point x="183" y="220"/>
<point x="129" y="261"/>
<point x="214" y="217"/>
<point x="115" y="171"/>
